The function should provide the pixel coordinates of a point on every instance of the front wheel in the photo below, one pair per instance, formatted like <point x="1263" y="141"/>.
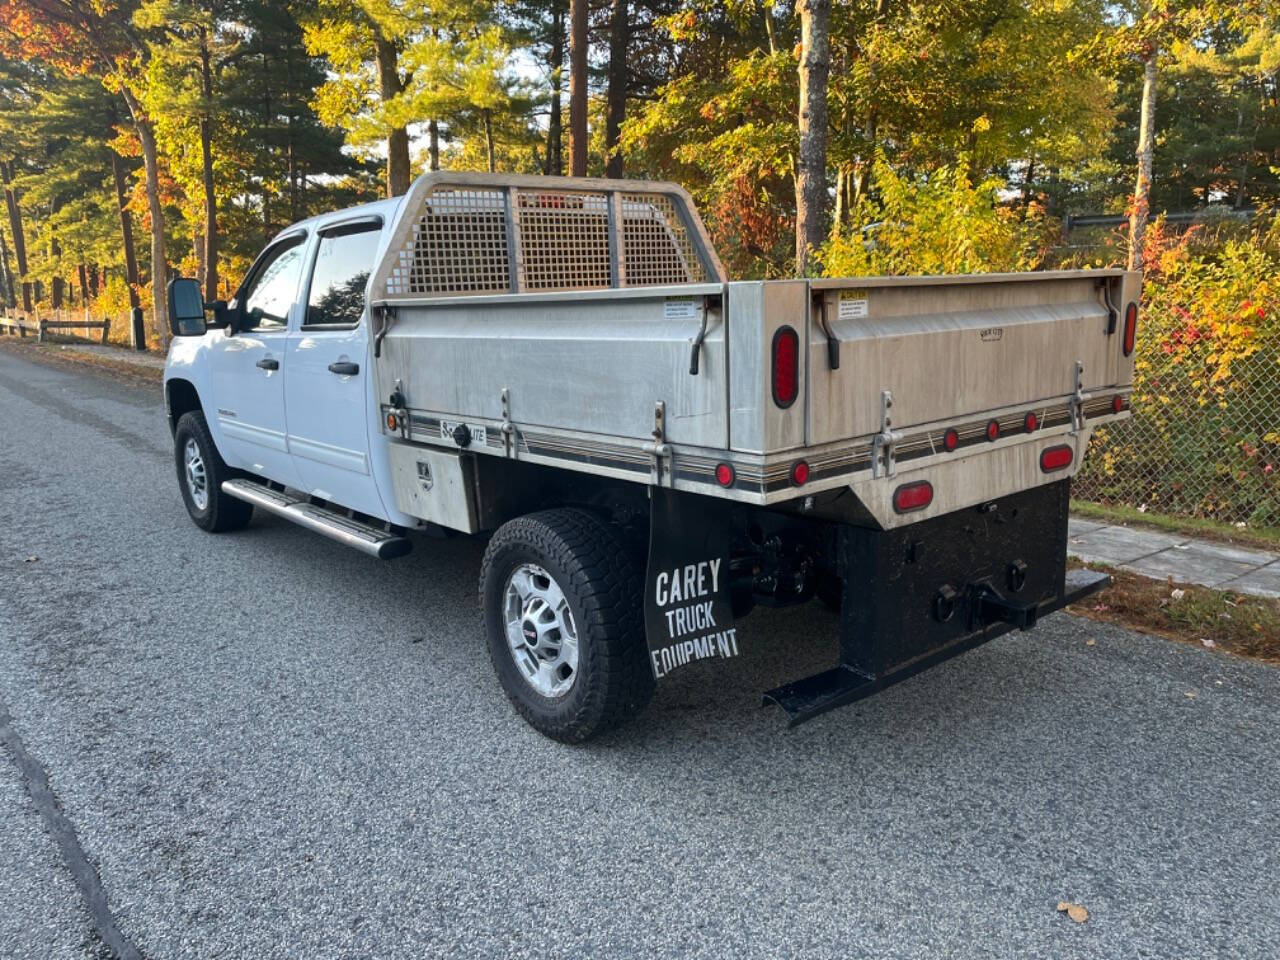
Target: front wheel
<point x="561" y="597"/>
<point x="201" y="471"/>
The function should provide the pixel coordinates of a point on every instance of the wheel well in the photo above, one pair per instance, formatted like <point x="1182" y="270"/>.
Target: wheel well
<point x="181" y="397"/>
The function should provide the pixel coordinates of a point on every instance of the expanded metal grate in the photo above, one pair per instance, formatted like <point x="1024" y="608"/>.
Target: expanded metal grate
<point x="657" y="249"/>
<point x="564" y="240"/>
<point x="458" y="245"/>
<point x="468" y="234"/>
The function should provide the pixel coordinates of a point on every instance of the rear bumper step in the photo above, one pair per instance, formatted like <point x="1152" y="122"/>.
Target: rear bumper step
<point x="805" y="699"/>
<point x="364" y="537"/>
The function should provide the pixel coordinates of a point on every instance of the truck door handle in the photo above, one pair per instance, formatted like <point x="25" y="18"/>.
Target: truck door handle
<point x="268" y="364"/>
<point x="344" y="368"/>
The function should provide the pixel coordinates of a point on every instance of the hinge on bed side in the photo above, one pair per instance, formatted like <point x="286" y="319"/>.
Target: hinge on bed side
<point x="883" y="443"/>
<point x="1078" y="398"/>
<point x="659" y="450"/>
<point x="508" y="428"/>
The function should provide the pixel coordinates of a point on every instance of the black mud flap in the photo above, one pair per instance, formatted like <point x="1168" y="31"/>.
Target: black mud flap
<point x="921" y="594"/>
<point x="688" y="613"/>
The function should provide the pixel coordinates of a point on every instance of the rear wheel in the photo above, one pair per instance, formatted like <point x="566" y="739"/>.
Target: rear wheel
<point x="201" y="471"/>
<point x="561" y="596"/>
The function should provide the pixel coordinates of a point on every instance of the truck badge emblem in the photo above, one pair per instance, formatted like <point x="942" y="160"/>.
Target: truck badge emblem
<point x="991" y="334"/>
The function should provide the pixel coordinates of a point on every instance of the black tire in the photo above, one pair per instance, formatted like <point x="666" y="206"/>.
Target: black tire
<point x="601" y="582"/>
<point x="220" y="512"/>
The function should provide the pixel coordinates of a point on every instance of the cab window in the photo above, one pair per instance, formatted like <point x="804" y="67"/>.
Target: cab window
<point x="344" y="260"/>
<point x="272" y="289"/>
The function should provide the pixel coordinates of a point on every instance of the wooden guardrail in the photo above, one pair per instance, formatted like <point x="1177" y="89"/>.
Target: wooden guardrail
<point x="47" y="326"/>
<point x="18" y="326"/>
<point x="21" y="326"/>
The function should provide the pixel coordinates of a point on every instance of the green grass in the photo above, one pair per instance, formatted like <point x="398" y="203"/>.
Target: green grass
<point x="1264" y="538"/>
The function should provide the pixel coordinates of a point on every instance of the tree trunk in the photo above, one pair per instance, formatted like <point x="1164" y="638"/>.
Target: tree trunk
<point x="206" y="161"/>
<point x="390" y="86"/>
<point x="487" y="114"/>
<point x="15" y="227"/>
<point x="811" y="170"/>
<point x="1146" y="149"/>
<point x="577" y="88"/>
<point x="126" y="228"/>
<point x="555" y="59"/>
<point x="83" y="276"/>
<point x="10" y="296"/>
<point x="433" y="134"/>
<point x="770" y="29"/>
<point x="159" y="268"/>
<point x="616" y="94"/>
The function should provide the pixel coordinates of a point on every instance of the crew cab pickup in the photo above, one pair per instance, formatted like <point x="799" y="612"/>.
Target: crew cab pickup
<point x="561" y="365"/>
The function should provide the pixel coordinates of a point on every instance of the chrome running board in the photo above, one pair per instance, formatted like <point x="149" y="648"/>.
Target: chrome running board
<point x="366" y="538"/>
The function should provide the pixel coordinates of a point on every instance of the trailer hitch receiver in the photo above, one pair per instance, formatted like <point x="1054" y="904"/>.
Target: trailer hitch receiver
<point x="986" y="606"/>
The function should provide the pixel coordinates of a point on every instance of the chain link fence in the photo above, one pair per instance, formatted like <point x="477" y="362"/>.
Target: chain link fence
<point x="1204" y="439"/>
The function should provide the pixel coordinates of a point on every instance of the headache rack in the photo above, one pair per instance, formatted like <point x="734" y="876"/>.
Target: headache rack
<point x="479" y="235"/>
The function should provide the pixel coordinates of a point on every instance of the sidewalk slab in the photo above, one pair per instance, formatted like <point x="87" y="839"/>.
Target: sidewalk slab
<point x="1263" y="582"/>
<point x="1190" y="563"/>
<point x="1116" y="545"/>
<point x="1162" y="556"/>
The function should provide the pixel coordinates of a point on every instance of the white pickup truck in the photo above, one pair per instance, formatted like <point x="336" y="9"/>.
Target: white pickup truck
<point x="562" y="365"/>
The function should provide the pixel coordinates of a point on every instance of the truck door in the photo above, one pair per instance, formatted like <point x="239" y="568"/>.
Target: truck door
<point x="327" y="392"/>
<point x="248" y="369"/>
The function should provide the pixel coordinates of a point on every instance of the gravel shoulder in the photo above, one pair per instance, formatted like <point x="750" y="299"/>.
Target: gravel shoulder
<point x="270" y="746"/>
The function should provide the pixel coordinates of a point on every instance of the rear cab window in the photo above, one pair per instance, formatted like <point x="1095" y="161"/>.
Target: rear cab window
<point x="344" y="259"/>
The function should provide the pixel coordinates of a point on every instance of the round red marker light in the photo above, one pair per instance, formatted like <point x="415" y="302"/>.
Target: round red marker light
<point x="800" y="473"/>
<point x="950" y="440"/>
<point x="392" y="422"/>
<point x="1031" y="422"/>
<point x="993" y="430"/>
<point x="724" y="475"/>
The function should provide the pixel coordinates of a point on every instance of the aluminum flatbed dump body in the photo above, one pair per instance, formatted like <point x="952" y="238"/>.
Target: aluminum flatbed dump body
<point x="588" y="325"/>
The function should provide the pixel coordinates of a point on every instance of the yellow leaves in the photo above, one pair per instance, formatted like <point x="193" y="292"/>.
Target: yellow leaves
<point x="1073" y="910"/>
<point x="982" y="124"/>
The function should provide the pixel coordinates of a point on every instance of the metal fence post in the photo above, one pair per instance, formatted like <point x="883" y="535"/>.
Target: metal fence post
<point x="137" y="332"/>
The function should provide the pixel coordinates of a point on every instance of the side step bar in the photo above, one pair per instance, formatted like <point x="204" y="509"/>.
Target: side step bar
<point x="813" y="696"/>
<point x="364" y="537"/>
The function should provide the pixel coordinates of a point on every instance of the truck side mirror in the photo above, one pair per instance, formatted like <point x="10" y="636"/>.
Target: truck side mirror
<point x="186" y="307"/>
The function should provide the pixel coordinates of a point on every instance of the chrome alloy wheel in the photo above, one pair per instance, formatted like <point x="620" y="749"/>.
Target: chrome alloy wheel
<point x="541" y="634"/>
<point x="197" y="479"/>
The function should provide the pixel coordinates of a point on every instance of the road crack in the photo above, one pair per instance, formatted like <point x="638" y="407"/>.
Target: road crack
<point x="83" y="872"/>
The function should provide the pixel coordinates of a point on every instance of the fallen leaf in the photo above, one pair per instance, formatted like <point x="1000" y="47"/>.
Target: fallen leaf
<point x="1090" y="642"/>
<point x="1206" y="642"/>
<point x="31" y="560"/>
<point x="1191" y="694"/>
<point x="1073" y="910"/>
<point x="1177" y="594"/>
<point x="1100" y="608"/>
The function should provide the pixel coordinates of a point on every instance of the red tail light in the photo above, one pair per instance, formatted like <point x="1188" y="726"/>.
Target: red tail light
<point x="800" y="473"/>
<point x="1117" y="403"/>
<point x="724" y="475"/>
<point x="1130" y="328"/>
<point x="786" y="366"/>
<point x="993" y="431"/>
<point x="1056" y="458"/>
<point x="950" y="440"/>
<point x="1031" y="422"/>
<point x="913" y="496"/>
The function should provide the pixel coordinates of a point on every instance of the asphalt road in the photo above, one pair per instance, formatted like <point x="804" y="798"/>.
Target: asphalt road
<point x="264" y="745"/>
